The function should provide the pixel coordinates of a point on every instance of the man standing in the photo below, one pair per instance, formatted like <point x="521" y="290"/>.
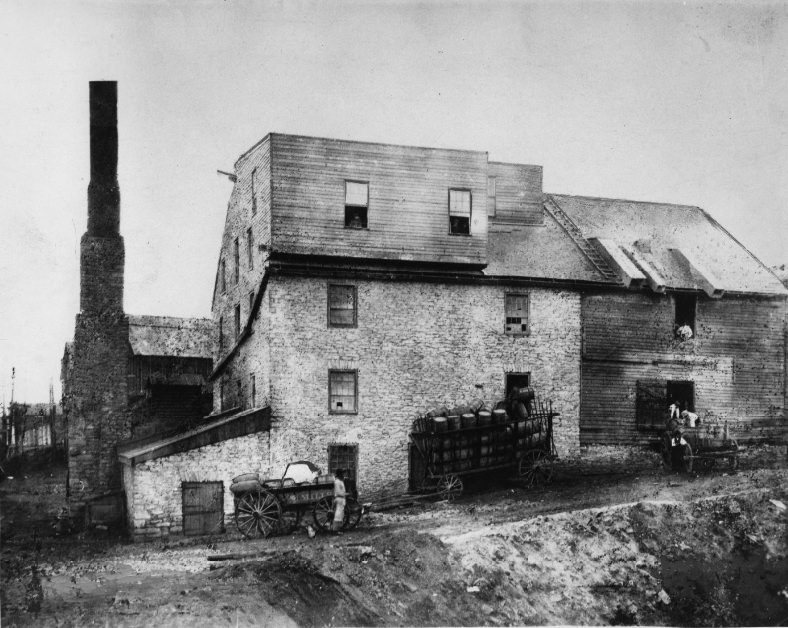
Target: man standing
<point x="339" y="501"/>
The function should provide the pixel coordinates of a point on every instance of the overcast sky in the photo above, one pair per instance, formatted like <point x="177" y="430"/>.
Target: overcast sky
<point x="676" y="102"/>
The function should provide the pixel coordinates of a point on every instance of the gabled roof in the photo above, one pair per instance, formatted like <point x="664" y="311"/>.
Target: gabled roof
<point x="681" y="244"/>
<point x="168" y="336"/>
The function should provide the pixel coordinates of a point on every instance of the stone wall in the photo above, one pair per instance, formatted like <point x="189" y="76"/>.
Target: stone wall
<point x="153" y="488"/>
<point x="416" y="346"/>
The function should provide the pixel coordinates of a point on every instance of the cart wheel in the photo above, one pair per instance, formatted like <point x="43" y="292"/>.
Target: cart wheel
<point x="353" y="512"/>
<point x="289" y="521"/>
<point x="323" y="513"/>
<point x="450" y="487"/>
<point x="257" y="514"/>
<point x="536" y="468"/>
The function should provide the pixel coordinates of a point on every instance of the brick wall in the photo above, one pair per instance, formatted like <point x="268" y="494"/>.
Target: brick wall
<point x="416" y="346"/>
<point x="153" y="488"/>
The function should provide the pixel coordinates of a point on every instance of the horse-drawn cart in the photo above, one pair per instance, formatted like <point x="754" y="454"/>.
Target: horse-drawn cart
<point x="698" y="448"/>
<point x="517" y="435"/>
<point x="264" y="506"/>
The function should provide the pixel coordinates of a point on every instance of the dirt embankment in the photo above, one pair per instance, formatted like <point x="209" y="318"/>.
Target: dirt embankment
<point x="668" y="557"/>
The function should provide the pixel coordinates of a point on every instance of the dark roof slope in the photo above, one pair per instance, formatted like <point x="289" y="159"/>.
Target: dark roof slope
<point x="171" y="337"/>
<point x="540" y="251"/>
<point x="658" y="230"/>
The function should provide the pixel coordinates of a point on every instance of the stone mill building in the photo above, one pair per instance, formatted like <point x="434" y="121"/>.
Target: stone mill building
<point x="359" y="284"/>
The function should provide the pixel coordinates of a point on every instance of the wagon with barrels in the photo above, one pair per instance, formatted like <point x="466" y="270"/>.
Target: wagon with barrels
<point x="516" y="435"/>
<point x="267" y="506"/>
<point x="698" y="448"/>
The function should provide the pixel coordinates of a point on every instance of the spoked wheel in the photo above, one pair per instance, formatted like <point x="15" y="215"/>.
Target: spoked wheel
<point x="450" y="487"/>
<point x="353" y="512"/>
<point x="686" y="460"/>
<point x="536" y="468"/>
<point x="257" y="514"/>
<point x="323" y="513"/>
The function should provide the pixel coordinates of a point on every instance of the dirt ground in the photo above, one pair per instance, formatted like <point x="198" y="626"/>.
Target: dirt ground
<point x="653" y="549"/>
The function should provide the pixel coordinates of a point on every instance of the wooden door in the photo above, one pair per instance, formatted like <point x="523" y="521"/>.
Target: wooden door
<point x="203" y="507"/>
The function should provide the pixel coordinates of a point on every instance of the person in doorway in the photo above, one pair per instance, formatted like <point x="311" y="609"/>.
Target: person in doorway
<point x="690" y="418"/>
<point x="339" y="501"/>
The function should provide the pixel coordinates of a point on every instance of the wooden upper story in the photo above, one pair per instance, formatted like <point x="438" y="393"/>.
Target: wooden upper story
<point x="339" y="198"/>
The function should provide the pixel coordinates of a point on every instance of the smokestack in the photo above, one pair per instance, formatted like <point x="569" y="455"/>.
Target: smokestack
<point x="103" y="190"/>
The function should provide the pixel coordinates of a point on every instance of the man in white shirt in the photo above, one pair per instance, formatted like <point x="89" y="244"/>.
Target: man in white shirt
<point x="339" y="501"/>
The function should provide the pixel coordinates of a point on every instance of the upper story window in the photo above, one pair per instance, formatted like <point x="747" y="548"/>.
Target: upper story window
<point x="460" y="212"/>
<point x="342" y="392"/>
<point x="223" y="275"/>
<point x="254" y="192"/>
<point x="516" y="314"/>
<point x="221" y="332"/>
<point x="237" y="320"/>
<point x="356" y="204"/>
<point x="250" y="248"/>
<point x="236" y="259"/>
<point x="341" y="306"/>
<point x="686" y="306"/>
<point x="491" y="196"/>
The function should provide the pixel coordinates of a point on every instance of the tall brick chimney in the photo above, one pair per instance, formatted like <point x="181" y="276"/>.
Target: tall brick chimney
<point x="98" y="410"/>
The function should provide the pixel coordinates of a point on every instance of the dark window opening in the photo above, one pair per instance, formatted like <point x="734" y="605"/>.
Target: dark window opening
<point x="221" y="332"/>
<point x="342" y="456"/>
<point x="239" y="395"/>
<point x="517" y="380"/>
<point x="341" y="306"/>
<point x="686" y="306"/>
<point x="682" y="393"/>
<point x="254" y="195"/>
<point x="237" y="320"/>
<point x="356" y="204"/>
<point x="253" y="390"/>
<point x="223" y="276"/>
<point x="342" y="392"/>
<point x="459" y="212"/>
<point x="237" y="260"/>
<point x="516" y="314"/>
<point x="250" y="248"/>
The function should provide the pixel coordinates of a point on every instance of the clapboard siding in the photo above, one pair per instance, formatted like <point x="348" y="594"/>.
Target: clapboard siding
<point x="736" y="359"/>
<point x="408" y="200"/>
<point x="518" y="193"/>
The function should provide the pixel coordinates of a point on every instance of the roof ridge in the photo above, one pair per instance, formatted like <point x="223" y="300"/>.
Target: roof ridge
<point x="625" y="200"/>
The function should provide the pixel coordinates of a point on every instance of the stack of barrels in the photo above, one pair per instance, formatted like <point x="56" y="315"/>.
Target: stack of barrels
<point x="472" y="435"/>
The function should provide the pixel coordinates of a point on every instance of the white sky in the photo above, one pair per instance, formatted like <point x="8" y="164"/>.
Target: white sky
<point x="674" y="102"/>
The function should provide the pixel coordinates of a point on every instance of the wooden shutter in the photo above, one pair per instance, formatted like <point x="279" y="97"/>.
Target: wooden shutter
<point x="460" y="203"/>
<point x="652" y="404"/>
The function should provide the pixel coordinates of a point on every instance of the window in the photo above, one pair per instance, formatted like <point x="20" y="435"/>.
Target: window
<point x="516" y="314"/>
<point x="344" y="456"/>
<point x="686" y="305"/>
<point x="239" y="395"/>
<point x="682" y="393"/>
<point x="341" y="306"/>
<point x="236" y="259"/>
<point x="491" y="196"/>
<point x="460" y="212"/>
<point x="252" y="390"/>
<point x="250" y="250"/>
<point x="654" y="397"/>
<point x="221" y="332"/>
<point x="254" y="194"/>
<point x="342" y="392"/>
<point x="517" y="380"/>
<point x="237" y="320"/>
<point x="223" y="275"/>
<point x="356" y="204"/>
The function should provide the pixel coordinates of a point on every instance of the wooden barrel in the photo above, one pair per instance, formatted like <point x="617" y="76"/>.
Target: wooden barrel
<point x="454" y="421"/>
<point x="499" y="416"/>
<point x="468" y="420"/>
<point x="476" y="404"/>
<point x="440" y="424"/>
<point x="485" y="417"/>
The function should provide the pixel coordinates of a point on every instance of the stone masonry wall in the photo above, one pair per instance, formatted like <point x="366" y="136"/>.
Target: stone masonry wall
<point x="153" y="488"/>
<point x="416" y="346"/>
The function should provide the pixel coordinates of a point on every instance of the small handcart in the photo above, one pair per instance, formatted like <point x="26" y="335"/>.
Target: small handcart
<point x="485" y="441"/>
<point x="266" y="506"/>
<point x="698" y="448"/>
